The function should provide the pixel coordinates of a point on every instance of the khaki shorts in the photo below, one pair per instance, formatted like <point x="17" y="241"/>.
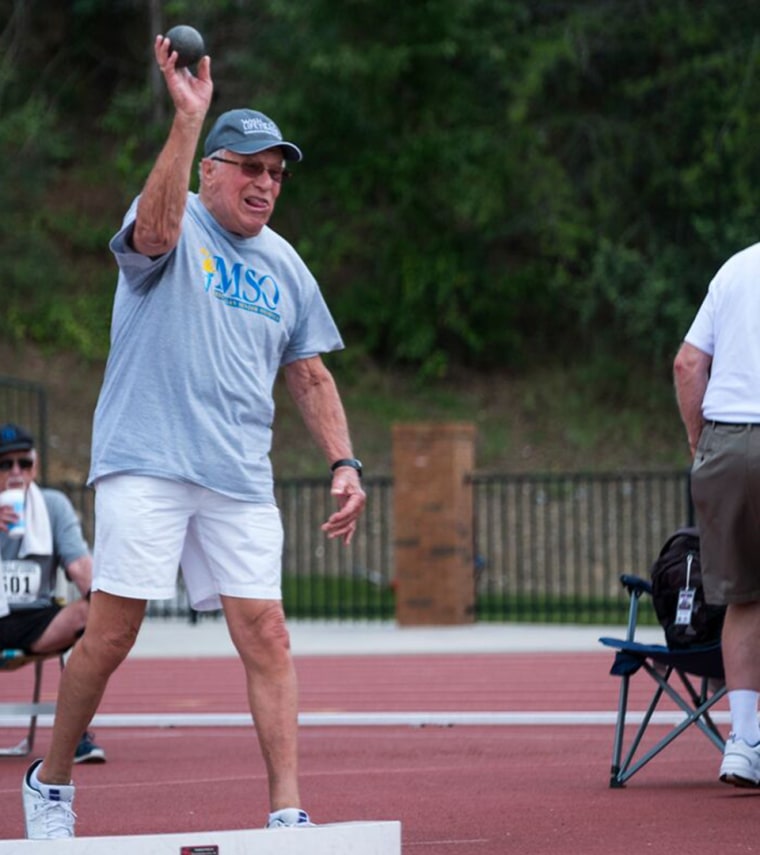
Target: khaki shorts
<point x="146" y="528"/>
<point x="725" y="487"/>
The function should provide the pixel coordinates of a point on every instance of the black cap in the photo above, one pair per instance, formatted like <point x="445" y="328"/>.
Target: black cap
<point x="15" y="438"/>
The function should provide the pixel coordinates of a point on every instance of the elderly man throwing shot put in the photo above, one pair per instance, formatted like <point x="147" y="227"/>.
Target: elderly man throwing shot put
<point x="210" y="303"/>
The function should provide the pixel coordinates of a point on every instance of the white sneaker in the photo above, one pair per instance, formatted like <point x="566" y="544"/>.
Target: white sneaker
<point x="741" y="763"/>
<point x="47" y="810"/>
<point x="289" y="818"/>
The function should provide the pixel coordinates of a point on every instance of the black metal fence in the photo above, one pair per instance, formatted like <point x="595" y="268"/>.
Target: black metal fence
<point x="546" y="547"/>
<point x="553" y="547"/>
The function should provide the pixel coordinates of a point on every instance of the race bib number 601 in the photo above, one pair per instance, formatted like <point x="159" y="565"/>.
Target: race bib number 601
<point x="21" y="581"/>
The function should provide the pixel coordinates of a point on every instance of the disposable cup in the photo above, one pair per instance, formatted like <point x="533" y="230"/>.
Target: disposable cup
<point x="15" y="498"/>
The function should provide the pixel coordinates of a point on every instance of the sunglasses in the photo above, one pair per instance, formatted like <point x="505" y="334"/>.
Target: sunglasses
<point x="252" y="169"/>
<point x="23" y="463"/>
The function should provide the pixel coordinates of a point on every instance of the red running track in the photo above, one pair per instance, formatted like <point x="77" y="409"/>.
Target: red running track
<point x="463" y="790"/>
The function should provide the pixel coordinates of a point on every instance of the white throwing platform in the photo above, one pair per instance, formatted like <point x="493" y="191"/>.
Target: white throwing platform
<point x="345" y="838"/>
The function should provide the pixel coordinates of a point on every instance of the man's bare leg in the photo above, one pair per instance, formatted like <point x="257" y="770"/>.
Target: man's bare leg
<point x="258" y="630"/>
<point x="740" y="645"/>
<point x="63" y="630"/>
<point x="112" y="627"/>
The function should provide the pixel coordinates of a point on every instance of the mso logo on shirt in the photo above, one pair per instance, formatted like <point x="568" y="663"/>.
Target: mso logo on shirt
<point x="241" y="287"/>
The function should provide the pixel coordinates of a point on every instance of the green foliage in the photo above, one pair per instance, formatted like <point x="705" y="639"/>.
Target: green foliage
<point x="487" y="182"/>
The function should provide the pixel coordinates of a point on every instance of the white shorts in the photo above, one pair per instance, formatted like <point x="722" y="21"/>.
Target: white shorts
<point x="146" y="528"/>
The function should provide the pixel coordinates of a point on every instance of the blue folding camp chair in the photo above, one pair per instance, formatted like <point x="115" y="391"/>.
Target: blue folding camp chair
<point x="697" y="684"/>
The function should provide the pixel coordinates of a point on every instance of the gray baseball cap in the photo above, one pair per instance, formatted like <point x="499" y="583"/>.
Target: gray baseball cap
<point x="247" y="132"/>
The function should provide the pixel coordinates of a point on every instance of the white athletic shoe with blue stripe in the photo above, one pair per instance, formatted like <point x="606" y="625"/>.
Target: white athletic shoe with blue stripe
<point x="289" y="818"/>
<point x="47" y="808"/>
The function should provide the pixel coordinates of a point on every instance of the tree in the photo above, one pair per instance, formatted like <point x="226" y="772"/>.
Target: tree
<point x="489" y="182"/>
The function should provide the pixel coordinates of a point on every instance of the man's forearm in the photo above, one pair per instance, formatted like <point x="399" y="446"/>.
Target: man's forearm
<point x="314" y="391"/>
<point x="691" y="373"/>
<point x="162" y="202"/>
<point x="80" y="572"/>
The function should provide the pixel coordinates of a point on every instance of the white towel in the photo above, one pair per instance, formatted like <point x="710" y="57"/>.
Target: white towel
<point x="38" y="536"/>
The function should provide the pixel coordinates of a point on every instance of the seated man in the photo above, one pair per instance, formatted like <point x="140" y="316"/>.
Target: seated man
<point x="30" y="618"/>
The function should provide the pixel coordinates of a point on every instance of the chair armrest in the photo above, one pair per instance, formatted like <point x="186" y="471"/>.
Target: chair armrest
<point x="636" y="585"/>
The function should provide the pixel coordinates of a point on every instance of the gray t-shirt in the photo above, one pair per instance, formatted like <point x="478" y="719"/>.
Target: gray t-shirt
<point x="197" y="338"/>
<point x="30" y="581"/>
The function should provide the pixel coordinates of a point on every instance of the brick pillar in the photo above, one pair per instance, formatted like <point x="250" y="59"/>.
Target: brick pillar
<point x="432" y="499"/>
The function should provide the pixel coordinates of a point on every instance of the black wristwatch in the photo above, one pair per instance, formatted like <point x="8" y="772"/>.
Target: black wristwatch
<point x="348" y="461"/>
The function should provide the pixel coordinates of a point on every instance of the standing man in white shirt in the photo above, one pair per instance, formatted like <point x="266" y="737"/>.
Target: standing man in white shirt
<point x="717" y="380"/>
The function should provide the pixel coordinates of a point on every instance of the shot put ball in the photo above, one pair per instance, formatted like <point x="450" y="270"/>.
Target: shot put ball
<point x="188" y="43"/>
